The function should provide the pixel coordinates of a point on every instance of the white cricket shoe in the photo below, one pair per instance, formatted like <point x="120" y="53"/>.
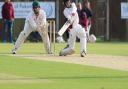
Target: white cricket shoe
<point x="50" y="52"/>
<point x="70" y="52"/>
<point x="83" y="54"/>
<point x="13" y="51"/>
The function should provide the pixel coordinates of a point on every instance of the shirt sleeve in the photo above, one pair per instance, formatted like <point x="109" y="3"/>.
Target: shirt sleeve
<point x="31" y="21"/>
<point x="3" y="13"/>
<point x="13" y="12"/>
<point x="74" y="8"/>
<point x="44" y="16"/>
<point x="66" y="14"/>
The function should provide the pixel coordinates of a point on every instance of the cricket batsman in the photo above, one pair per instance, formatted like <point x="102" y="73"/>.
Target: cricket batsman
<point x="70" y="12"/>
<point x="35" y="21"/>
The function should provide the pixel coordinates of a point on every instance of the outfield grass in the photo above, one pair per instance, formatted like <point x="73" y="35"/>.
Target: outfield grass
<point x="21" y="73"/>
<point x="115" y="48"/>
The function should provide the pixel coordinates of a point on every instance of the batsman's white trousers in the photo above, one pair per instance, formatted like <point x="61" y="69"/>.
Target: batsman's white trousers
<point x="77" y="31"/>
<point x="27" y="30"/>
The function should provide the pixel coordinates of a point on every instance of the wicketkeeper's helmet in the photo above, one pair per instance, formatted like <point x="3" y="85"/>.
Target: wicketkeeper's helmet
<point x="35" y="4"/>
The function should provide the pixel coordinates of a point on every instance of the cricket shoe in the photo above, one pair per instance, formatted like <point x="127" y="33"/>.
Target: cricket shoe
<point x="50" y="52"/>
<point x="83" y="54"/>
<point x="13" y="51"/>
<point x="71" y="51"/>
<point x="60" y="54"/>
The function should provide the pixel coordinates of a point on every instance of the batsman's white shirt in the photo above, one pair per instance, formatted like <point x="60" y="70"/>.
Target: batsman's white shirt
<point x="77" y="29"/>
<point x="68" y="14"/>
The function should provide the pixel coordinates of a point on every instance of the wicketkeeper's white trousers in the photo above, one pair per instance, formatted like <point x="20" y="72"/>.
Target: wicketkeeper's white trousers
<point x="25" y="33"/>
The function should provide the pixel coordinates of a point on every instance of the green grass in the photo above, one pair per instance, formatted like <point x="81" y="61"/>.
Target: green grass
<point x="35" y="74"/>
<point x="21" y="73"/>
<point x="115" y="48"/>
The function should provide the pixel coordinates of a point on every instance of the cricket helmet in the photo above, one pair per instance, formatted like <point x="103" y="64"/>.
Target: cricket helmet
<point x="35" y="4"/>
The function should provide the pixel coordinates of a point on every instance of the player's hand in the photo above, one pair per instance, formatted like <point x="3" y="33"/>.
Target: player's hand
<point x="12" y="19"/>
<point x="41" y="24"/>
<point x="69" y="21"/>
<point x="73" y="14"/>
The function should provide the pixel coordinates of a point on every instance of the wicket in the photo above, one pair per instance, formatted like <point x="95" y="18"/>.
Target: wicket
<point x="52" y="34"/>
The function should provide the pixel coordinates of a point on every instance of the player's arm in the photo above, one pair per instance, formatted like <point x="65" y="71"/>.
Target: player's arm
<point x="66" y="14"/>
<point x="42" y="22"/>
<point x="31" y="21"/>
<point x="44" y="18"/>
<point x="74" y="8"/>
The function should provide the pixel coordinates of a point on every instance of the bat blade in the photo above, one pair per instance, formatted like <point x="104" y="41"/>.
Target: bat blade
<point x="63" y="28"/>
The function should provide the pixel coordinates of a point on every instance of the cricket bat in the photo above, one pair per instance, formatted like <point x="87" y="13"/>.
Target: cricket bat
<point x="64" y="28"/>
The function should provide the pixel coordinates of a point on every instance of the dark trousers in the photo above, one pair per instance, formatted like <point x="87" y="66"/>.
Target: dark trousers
<point x="7" y="31"/>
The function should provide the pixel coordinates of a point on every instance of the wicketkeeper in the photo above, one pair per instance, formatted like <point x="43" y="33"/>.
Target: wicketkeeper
<point x="70" y="12"/>
<point x="35" y="21"/>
